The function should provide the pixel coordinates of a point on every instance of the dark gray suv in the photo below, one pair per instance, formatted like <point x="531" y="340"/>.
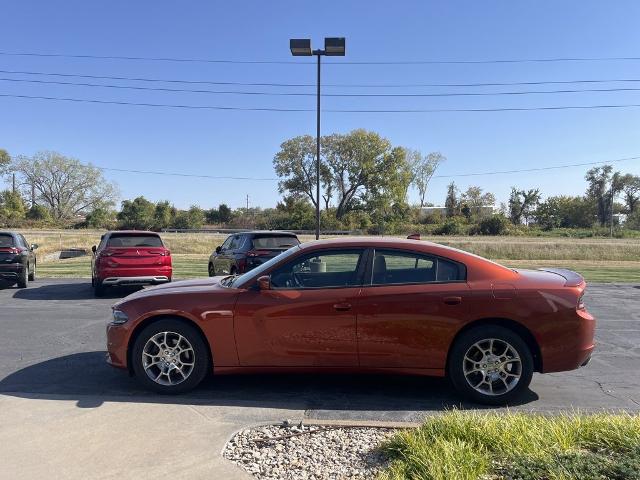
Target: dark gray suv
<point x="17" y="259"/>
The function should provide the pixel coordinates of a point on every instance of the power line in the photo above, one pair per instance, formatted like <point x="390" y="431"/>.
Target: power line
<point x="459" y="175"/>
<point x="271" y="109"/>
<point x="290" y="62"/>
<point x="299" y="94"/>
<point x="343" y="85"/>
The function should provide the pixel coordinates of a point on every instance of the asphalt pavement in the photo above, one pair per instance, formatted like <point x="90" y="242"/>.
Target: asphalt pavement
<point x="55" y="384"/>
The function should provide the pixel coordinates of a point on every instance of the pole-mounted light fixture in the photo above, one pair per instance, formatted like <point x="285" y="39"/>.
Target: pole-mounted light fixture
<point x="333" y="47"/>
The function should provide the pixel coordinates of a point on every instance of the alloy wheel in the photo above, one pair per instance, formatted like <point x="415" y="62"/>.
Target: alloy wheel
<point x="492" y="367"/>
<point x="168" y="358"/>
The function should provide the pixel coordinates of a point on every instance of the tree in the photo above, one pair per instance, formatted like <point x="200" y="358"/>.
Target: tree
<point x="604" y="186"/>
<point x="522" y="204"/>
<point x="422" y="170"/>
<point x="12" y="208"/>
<point x="474" y="199"/>
<point x="631" y="191"/>
<point x="451" y="202"/>
<point x="64" y="185"/>
<point x="101" y="218"/>
<point x="192" y="218"/>
<point x="362" y="166"/>
<point x="5" y="161"/>
<point x="137" y="214"/>
<point x="38" y="213"/>
<point x="224" y="213"/>
<point x="163" y="215"/>
<point x="565" y="212"/>
<point x="295" y="164"/>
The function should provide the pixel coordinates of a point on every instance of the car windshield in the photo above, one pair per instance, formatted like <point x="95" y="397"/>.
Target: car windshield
<point x="280" y="241"/>
<point x="6" y="240"/>
<point x="241" y="280"/>
<point x="123" y="240"/>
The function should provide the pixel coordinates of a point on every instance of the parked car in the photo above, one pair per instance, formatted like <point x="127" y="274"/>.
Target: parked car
<point x="244" y="251"/>
<point x="18" y="260"/>
<point x="129" y="258"/>
<point x="361" y="305"/>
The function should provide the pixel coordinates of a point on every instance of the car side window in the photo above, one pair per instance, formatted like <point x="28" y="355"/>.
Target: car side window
<point x="328" y="269"/>
<point x="226" y="243"/>
<point x="396" y="268"/>
<point x="23" y="241"/>
<point x="235" y="243"/>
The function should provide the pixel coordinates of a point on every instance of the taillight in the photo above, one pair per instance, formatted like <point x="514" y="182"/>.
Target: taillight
<point x="581" y="305"/>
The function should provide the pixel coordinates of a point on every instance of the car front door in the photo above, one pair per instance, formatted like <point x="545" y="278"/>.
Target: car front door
<point x="409" y="305"/>
<point x="307" y="317"/>
<point x="224" y="260"/>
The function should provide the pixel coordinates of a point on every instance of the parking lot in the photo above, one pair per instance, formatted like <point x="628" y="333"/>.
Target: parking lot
<point x="52" y="360"/>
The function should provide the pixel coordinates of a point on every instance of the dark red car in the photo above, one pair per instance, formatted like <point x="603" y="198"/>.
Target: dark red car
<point x="360" y="305"/>
<point x="129" y="258"/>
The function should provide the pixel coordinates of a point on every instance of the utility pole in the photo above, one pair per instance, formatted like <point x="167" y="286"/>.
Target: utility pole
<point x="611" y="213"/>
<point x="13" y="176"/>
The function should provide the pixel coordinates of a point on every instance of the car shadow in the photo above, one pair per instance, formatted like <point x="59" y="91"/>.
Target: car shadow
<point x="86" y="379"/>
<point x="69" y="291"/>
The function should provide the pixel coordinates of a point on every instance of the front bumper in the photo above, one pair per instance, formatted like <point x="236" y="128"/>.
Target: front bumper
<point x="117" y="338"/>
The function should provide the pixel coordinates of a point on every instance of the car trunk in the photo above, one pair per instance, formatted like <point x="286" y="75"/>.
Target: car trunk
<point x="9" y="255"/>
<point x="135" y="257"/>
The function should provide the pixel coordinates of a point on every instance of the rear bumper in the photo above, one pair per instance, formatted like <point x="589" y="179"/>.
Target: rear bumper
<point x="571" y="348"/>
<point x="10" y="272"/>
<point x="146" y="280"/>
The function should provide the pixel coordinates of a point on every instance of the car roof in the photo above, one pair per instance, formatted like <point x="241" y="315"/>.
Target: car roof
<point x="133" y="232"/>
<point x="6" y="232"/>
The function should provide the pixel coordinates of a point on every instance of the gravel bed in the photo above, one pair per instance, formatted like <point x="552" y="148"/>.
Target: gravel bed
<point x="308" y="452"/>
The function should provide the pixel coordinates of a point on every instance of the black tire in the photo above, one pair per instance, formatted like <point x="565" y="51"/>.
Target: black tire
<point x="201" y="359"/>
<point x="98" y="288"/>
<point x="32" y="272"/>
<point x="23" y="278"/>
<point x="212" y="270"/>
<point x="455" y="367"/>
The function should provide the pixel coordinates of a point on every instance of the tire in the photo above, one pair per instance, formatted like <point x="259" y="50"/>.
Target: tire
<point x="23" y="279"/>
<point x="32" y="273"/>
<point x="212" y="270"/>
<point x="198" y="355"/>
<point x="503" y="381"/>
<point x="98" y="288"/>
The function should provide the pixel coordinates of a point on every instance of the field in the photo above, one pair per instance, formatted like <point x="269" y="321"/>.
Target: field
<point x="599" y="260"/>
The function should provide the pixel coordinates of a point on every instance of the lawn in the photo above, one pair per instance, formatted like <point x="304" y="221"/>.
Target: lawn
<point x="597" y="259"/>
<point x="474" y="446"/>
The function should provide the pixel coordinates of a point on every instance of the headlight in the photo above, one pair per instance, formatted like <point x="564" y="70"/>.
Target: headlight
<point x="119" y="317"/>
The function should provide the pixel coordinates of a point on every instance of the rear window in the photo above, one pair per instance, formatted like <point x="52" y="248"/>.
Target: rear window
<point x="6" y="240"/>
<point x="275" y="242"/>
<point x="124" y="240"/>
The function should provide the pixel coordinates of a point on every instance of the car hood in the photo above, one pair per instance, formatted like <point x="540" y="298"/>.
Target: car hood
<point x="181" y="287"/>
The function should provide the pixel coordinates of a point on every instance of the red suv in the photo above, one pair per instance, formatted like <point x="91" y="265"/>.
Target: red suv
<point x="129" y="258"/>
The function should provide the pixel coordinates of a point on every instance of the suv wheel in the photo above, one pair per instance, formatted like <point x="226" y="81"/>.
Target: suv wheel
<point x="212" y="270"/>
<point x="23" y="278"/>
<point x="170" y="356"/>
<point x="98" y="288"/>
<point x="32" y="272"/>
<point x="490" y="365"/>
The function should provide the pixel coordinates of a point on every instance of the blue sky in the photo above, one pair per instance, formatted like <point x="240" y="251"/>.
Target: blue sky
<point x="244" y="142"/>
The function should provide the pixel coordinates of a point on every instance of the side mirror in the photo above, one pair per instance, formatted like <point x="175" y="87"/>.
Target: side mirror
<point x="264" y="282"/>
<point x="94" y="248"/>
<point x="34" y="246"/>
<point x="218" y="249"/>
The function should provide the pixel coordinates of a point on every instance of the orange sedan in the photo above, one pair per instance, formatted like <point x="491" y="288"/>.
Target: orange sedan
<point x="360" y="305"/>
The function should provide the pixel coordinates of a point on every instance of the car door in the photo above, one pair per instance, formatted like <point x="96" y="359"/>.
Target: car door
<point x="32" y="255"/>
<point x="225" y="259"/>
<point x="409" y="304"/>
<point x="307" y="317"/>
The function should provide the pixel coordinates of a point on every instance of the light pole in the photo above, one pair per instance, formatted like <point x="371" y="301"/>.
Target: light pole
<point x="333" y="47"/>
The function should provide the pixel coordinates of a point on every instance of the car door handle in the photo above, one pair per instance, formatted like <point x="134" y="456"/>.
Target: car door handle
<point x="452" y="300"/>
<point x="342" y="307"/>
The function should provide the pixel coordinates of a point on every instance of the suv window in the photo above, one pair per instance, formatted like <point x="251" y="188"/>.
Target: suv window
<point x="395" y="267"/>
<point x="6" y="240"/>
<point x="132" y="241"/>
<point x="235" y="243"/>
<point x="275" y="242"/>
<point x="328" y="269"/>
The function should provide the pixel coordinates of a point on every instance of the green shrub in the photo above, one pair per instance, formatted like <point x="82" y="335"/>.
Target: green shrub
<point x="452" y="226"/>
<point x="494" y="225"/>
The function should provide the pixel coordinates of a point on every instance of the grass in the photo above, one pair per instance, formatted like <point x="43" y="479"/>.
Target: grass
<point x="597" y="259"/>
<point x="472" y="445"/>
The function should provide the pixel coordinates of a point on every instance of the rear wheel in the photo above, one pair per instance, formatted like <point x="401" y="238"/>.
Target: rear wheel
<point x="23" y="277"/>
<point x="170" y="356"/>
<point x="490" y="364"/>
<point x="212" y="270"/>
<point x="98" y="288"/>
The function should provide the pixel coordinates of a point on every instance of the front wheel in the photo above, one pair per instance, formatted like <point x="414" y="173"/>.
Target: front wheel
<point x="32" y="272"/>
<point x="490" y="365"/>
<point x="170" y="356"/>
<point x="23" y="277"/>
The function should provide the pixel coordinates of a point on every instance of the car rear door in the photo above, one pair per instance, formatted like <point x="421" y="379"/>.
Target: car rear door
<point x="409" y="305"/>
<point x="307" y="318"/>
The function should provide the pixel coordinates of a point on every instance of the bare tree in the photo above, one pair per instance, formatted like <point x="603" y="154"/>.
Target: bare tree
<point x="64" y="185"/>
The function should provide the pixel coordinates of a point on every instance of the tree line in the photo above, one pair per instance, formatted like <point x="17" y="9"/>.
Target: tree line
<point x="365" y="183"/>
